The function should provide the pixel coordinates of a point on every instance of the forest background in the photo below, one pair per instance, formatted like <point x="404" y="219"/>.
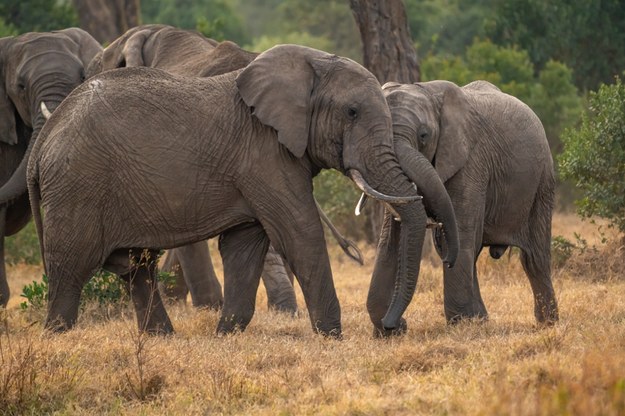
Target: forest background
<point x="550" y="55"/>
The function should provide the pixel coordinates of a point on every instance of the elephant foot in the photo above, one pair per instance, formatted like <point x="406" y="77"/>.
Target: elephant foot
<point x="381" y="332"/>
<point x="546" y="314"/>
<point x="334" y="333"/>
<point x="165" y="328"/>
<point x="287" y="307"/>
<point x="231" y="324"/>
<point x="57" y="326"/>
<point x="473" y="314"/>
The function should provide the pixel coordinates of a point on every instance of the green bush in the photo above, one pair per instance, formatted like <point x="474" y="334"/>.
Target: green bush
<point x="594" y="156"/>
<point x="104" y="288"/>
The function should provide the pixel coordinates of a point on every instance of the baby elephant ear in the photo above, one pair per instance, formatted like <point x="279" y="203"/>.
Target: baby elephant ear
<point x="8" y="134"/>
<point x="277" y="86"/>
<point x="454" y="143"/>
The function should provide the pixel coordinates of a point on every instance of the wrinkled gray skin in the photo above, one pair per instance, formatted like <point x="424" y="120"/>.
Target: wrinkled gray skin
<point x="165" y="161"/>
<point x="491" y="151"/>
<point x="188" y="53"/>
<point x="34" y="68"/>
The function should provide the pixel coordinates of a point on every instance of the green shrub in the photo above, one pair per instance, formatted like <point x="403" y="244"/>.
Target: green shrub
<point x="104" y="288"/>
<point x="594" y="156"/>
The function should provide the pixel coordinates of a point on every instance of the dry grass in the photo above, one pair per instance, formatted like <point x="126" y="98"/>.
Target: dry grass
<point x="504" y="366"/>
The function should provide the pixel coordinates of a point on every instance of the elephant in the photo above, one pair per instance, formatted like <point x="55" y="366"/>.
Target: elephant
<point x="37" y="71"/>
<point x="149" y="160"/>
<point x="188" y="53"/>
<point x="491" y="152"/>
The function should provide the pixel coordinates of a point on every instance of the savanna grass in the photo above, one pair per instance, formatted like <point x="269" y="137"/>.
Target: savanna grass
<point x="507" y="365"/>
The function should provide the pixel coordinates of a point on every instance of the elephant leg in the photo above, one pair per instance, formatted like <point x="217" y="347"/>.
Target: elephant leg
<point x="178" y="291"/>
<point x="243" y="250"/>
<point x="278" y="283"/>
<point x="199" y="275"/>
<point x="383" y="279"/>
<point x="461" y="289"/>
<point x="66" y="279"/>
<point x="4" y="285"/>
<point x="142" y="285"/>
<point x="536" y="261"/>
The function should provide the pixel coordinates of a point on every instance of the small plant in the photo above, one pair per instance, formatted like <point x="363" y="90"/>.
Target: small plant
<point x="562" y="249"/>
<point x="104" y="288"/>
<point x="36" y="294"/>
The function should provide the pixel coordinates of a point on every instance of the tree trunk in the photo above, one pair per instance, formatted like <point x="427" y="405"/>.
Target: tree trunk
<point x="389" y="54"/>
<point x="106" y="20"/>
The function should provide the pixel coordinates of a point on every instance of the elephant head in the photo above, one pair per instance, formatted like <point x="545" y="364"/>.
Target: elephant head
<point x="340" y="119"/>
<point x="37" y="71"/>
<point x="433" y="118"/>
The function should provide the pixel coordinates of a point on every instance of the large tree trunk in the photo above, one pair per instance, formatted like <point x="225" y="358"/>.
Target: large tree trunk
<point x="389" y="54"/>
<point x="106" y="20"/>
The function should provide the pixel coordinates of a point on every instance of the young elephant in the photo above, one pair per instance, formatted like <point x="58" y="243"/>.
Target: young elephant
<point x="37" y="71"/>
<point x="149" y="160"/>
<point x="491" y="152"/>
<point x="188" y="53"/>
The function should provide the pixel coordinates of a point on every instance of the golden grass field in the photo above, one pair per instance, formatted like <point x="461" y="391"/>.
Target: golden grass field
<point x="505" y="366"/>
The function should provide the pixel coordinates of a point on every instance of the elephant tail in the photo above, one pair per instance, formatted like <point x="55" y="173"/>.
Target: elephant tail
<point x="35" y="205"/>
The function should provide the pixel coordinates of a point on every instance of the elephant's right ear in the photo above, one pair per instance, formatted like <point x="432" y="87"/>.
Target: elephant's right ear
<point x="452" y="151"/>
<point x="277" y="86"/>
<point x="8" y="134"/>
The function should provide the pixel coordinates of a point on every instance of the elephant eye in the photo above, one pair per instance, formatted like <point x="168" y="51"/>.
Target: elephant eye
<point x="423" y="134"/>
<point x="21" y="86"/>
<point x="352" y="113"/>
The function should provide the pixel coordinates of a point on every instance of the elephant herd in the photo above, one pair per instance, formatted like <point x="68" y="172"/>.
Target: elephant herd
<point x="166" y="138"/>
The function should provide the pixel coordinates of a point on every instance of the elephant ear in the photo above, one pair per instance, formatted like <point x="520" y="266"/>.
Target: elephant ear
<point x="8" y="134"/>
<point x="452" y="151"/>
<point x="88" y="47"/>
<point x="277" y="86"/>
<point x="133" y="49"/>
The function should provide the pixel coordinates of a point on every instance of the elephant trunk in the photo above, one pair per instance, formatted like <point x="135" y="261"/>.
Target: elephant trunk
<point x="411" y="236"/>
<point x="16" y="185"/>
<point x="397" y="265"/>
<point x="435" y="197"/>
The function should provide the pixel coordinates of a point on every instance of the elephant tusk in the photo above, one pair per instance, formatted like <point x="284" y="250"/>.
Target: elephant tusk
<point x="361" y="204"/>
<point x="44" y="111"/>
<point x="395" y="214"/>
<point x="433" y="224"/>
<point x="369" y="191"/>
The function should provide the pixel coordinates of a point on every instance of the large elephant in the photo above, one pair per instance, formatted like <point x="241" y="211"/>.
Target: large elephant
<point x="491" y="152"/>
<point x="37" y="71"/>
<point x="188" y="53"/>
<point x="149" y="160"/>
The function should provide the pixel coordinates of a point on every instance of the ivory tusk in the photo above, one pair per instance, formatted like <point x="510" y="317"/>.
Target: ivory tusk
<point x="361" y="204"/>
<point x="44" y="111"/>
<point x="369" y="191"/>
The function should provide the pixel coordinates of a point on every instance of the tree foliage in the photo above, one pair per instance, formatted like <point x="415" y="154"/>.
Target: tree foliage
<point x="594" y="156"/>
<point x="21" y="16"/>
<point x="586" y="35"/>
<point x="214" y="18"/>
<point x="551" y="93"/>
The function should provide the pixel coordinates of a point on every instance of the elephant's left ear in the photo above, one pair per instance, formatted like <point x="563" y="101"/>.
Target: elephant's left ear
<point x="277" y="86"/>
<point x="88" y="47"/>
<point x="454" y="142"/>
